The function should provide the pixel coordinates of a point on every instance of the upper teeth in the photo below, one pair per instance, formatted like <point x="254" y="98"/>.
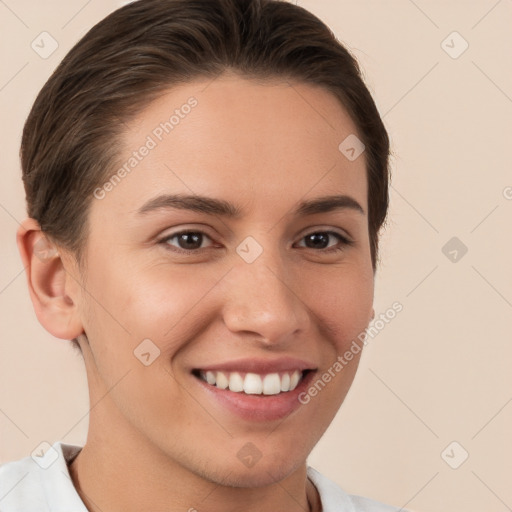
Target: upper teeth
<point x="253" y="383"/>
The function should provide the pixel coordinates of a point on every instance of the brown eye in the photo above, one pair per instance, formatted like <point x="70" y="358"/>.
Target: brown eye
<point x="317" y="240"/>
<point x="325" y="240"/>
<point x="186" y="240"/>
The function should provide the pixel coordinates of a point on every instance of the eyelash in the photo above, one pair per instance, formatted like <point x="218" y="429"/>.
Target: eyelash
<point x="344" y="241"/>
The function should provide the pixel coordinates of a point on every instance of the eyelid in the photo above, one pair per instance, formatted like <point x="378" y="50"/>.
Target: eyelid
<point x="343" y="238"/>
<point x="329" y="230"/>
<point x="164" y="240"/>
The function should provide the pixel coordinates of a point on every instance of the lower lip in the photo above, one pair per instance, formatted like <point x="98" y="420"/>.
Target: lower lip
<point x="258" y="407"/>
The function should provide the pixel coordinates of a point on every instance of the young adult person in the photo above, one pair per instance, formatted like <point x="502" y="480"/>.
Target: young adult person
<point x="206" y="181"/>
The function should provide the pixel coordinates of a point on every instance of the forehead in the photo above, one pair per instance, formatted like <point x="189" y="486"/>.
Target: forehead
<point x="249" y="142"/>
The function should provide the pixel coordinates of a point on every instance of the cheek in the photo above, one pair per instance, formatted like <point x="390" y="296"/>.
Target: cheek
<point x="342" y="301"/>
<point x="169" y="305"/>
<point x="165" y="305"/>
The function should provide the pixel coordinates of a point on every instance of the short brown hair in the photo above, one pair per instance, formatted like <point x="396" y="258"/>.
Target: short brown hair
<point x="71" y="138"/>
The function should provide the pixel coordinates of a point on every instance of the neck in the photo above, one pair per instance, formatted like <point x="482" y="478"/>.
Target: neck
<point x="124" y="473"/>
<point x="121" y="470"/>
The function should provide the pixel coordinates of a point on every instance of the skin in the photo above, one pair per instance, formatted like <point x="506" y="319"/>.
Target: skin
<point x="155" y="441"/>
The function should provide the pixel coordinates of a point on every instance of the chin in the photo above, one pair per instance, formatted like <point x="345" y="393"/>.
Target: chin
<point x="262" y="473"/>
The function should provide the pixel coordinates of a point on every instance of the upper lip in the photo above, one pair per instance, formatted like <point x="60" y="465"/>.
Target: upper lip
<point x="260" y="365"/>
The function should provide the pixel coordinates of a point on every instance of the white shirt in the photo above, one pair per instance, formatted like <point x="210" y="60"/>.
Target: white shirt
<point x="43" y="484"/>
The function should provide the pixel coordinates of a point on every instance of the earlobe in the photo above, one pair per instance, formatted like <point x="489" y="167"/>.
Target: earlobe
<point x="53" y="291"/>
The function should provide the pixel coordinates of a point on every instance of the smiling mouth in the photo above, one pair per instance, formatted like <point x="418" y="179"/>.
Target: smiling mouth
<point x="253" y="383"/>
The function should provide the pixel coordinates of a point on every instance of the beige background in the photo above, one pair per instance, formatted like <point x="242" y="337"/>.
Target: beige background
<point x="440" y="371"/>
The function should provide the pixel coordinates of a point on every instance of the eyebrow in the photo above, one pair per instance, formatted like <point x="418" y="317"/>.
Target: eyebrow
<point x="212" y="206"/>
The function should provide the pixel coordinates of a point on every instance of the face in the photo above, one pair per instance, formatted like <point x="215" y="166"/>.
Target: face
<point x="217" y="260"/>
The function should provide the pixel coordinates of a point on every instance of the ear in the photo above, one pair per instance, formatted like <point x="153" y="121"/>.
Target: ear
<point x="53" y="290"/>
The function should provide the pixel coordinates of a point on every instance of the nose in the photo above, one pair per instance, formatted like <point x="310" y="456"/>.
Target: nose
<point x="261" y="300"/>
